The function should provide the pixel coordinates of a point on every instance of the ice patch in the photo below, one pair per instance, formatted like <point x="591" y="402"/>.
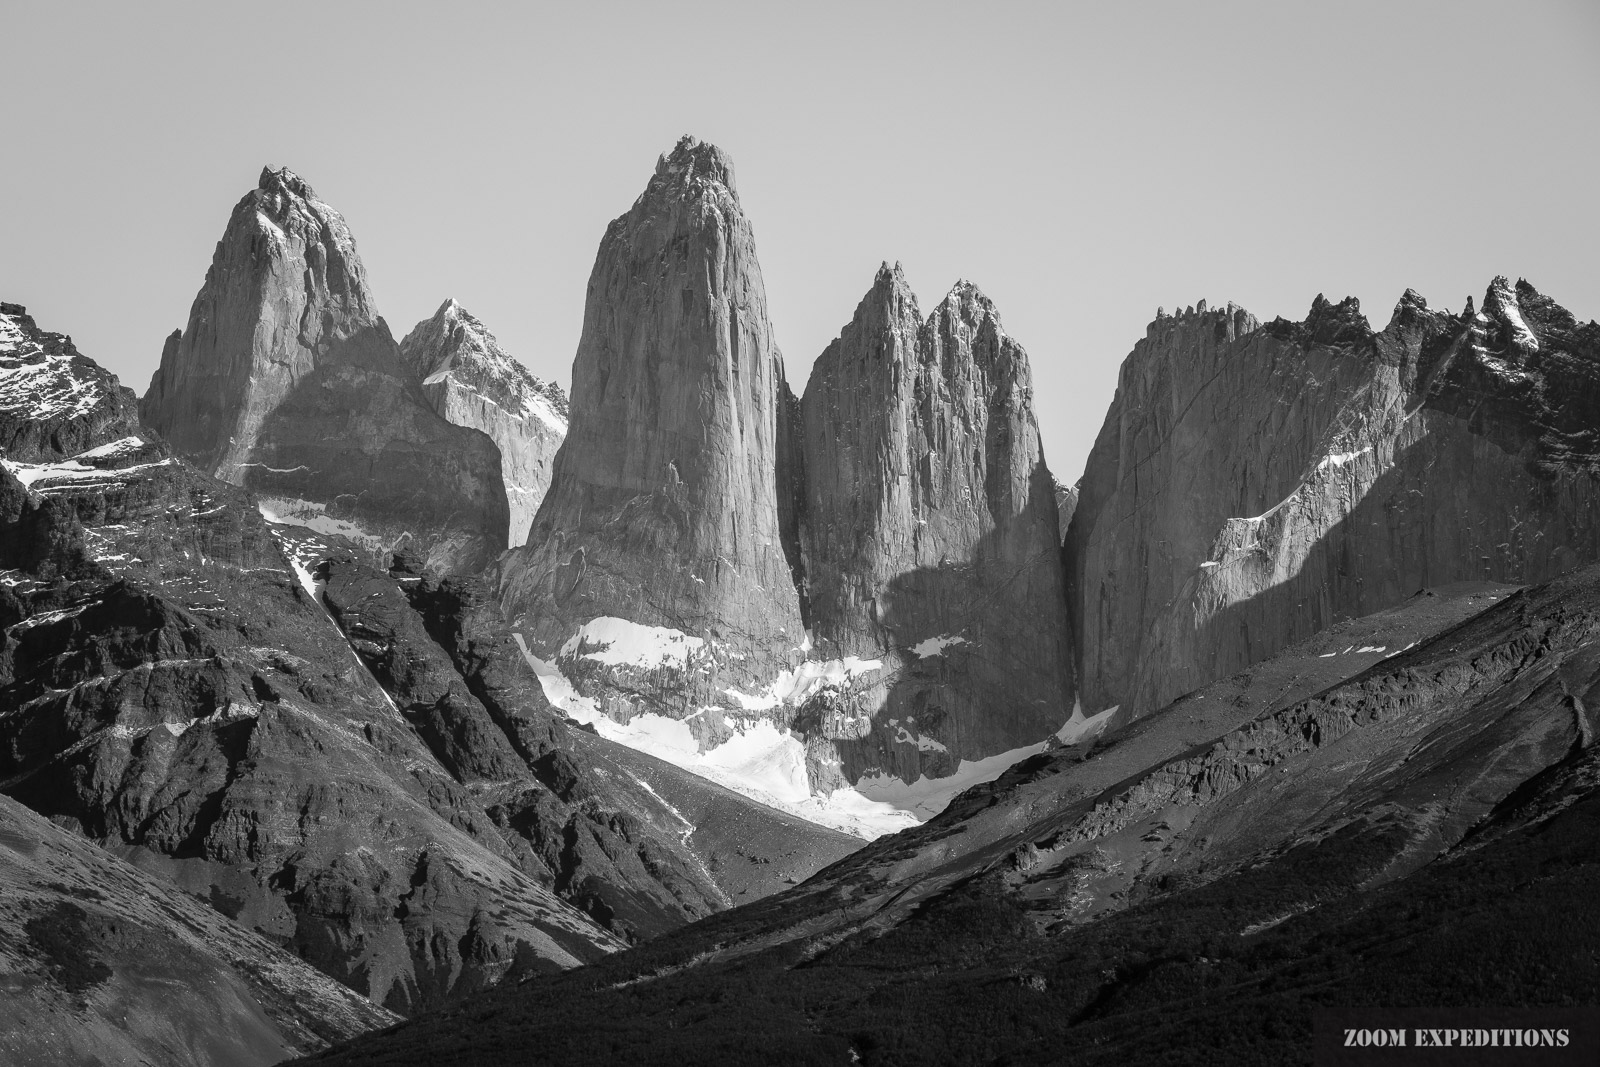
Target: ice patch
<point x="120" y="447"/>
<point x="557" y="689"/>
<point x="71" y="470"/>
<point x="935" y="646"/>
<point x="620" y="643"/>
<point x="927" y="797"/>
<point x="797" y="685"/>
<point x="289" y="511"/>
<point x="1080" y="726"/>
<point x="924" y="744"/>
<point x="1339" y="459"/>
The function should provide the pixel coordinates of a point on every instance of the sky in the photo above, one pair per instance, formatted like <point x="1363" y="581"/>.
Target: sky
<point x="1083" y="164"/>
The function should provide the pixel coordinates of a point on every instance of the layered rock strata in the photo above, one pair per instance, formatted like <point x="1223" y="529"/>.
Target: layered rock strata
<point x="1253" y="484"/>
<point x="287" y="381"/>
<point x="930" y="536"/>
<point x="471" y="381"/>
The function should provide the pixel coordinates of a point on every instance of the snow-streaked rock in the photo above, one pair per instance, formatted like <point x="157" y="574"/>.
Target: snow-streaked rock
<point x="471" y="381"/>
<point x="54" y="401"/>
<point x="1252" y="485"/>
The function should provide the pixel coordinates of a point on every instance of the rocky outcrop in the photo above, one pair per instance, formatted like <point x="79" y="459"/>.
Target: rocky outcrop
<point x="664" y="508"/>
<point x="286" y="381"/>
<point x="103" y="964"/>
<point x="471" y="381"/>
<point x="930" y="536"/>
<point x="54" y="402"/>
<point x="1252" y="485"/>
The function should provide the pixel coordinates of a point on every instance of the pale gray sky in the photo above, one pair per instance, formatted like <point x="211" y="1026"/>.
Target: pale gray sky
<point x="1082" y="163"/>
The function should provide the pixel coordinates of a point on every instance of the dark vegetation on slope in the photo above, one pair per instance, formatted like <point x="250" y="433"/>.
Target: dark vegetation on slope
<point x="970" y="979"/>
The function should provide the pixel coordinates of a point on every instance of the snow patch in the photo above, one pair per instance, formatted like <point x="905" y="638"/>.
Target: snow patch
<point x="1339" y="459"/>
<point x="1080" y="726"/>
<point x="557" y="689"/>
<point x="927" y="797"/>
<point x="290" y="511"/>
<point x="121" y="447"/>
<point x="935" y="646"/>
<point x="619" y="643"/>
<point x="798" y="684"/>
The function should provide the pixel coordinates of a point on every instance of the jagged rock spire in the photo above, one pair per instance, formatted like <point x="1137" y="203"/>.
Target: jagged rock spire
<point x="287" y="381"/>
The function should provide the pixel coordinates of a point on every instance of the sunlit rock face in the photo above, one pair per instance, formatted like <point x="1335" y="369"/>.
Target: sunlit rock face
<point x="287" y="381"/>
<point x="789" y="595"/>
<point x="930" y="535"/>
<point x="471" y="381"/>
<point x="1254" y="483"/>
<point x="664" y="508"/>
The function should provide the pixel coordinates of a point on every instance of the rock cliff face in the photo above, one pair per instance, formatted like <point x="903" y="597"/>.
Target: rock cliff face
<point x="471" y="381"/>
<point x="700" y="518"/>
<point x="1252" y="485"/>
<point x="930" y="536"/>
<point x="55" y="402"/>
<point x="286" y="381"/>
<point x="664" y="509"/>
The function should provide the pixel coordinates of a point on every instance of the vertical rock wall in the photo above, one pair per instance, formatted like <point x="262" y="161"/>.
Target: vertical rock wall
<point x="1251" y="486"/>
<point x="471" y="381"/>
<point x="287" y="381"/>
<point x="930" y="534"/>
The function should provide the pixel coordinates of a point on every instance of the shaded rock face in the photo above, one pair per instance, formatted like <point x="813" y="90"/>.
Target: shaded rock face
<point x="1252" y="485"/>
<point x="286" y="381"/>
<point x="930" y="535"/>
<point x="471" y="381"/>
<point x="104" y="964"/>
<point x="664" y="508"/>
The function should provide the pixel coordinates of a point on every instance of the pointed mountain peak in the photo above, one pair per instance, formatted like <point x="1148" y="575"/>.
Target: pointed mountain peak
<point x="282" y="179"/>
<point x="968" y="303"/>
<point x="1500" y="303"/>
<point x="693" y="164"/>
<point x="890" y="283"/>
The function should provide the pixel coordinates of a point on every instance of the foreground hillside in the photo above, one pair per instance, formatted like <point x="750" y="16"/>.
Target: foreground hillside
<point x="1423" y="831"/>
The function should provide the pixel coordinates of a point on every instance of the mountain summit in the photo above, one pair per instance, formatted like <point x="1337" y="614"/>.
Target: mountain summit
<point x="287" y="381"/>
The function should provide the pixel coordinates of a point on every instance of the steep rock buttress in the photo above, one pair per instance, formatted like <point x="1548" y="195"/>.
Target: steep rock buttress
<point x="287" y="382"/>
